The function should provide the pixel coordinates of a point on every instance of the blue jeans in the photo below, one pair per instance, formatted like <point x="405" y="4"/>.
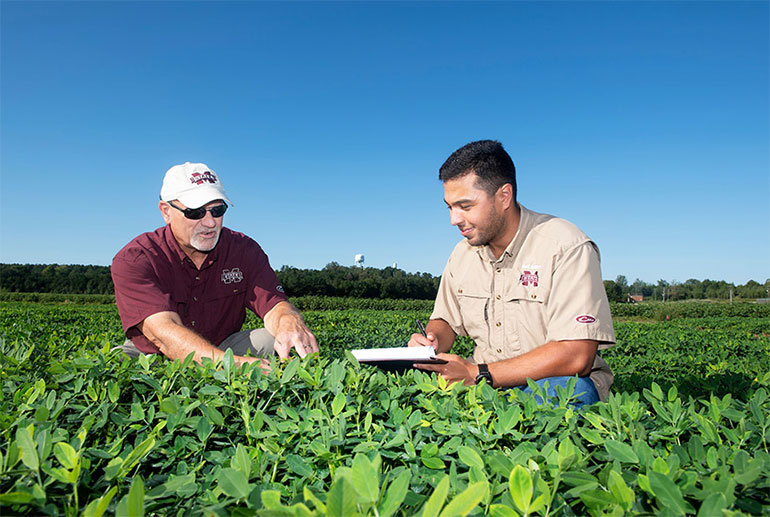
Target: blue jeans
<point x="585" y="391"/>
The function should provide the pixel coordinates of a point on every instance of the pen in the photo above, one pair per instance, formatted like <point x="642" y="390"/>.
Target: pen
<point x="421" y="327"/>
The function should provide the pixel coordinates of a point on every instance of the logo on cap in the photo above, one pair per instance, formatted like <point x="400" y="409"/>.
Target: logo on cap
<point x="198" y="178"/>
<point x="529" y="278"/>
<point x="585" y="318"/>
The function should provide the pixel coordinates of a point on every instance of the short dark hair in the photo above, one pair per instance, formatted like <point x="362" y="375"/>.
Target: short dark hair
<point x="485" y="158"/>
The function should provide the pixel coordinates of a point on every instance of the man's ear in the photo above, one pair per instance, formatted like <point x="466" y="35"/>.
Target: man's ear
<point x="165" y="211"/>
<point x="505" y="195"/>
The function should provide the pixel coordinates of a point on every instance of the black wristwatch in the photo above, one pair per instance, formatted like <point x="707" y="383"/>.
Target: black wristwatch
<point x="484" y="374"/>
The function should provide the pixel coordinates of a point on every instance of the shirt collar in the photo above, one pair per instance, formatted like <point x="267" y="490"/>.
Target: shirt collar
<point x="525" y="225"/>
<point x="177" y="251"/>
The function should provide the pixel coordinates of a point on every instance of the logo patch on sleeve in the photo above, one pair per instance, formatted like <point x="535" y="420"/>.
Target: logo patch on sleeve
<point x="585" y="318"/>
<point x="279" y="288"/>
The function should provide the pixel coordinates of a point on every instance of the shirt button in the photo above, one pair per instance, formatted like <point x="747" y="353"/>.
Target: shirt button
<point x="197" y="278"/>
<point x="498" y="324"/>
<point x="193" y="323"/>
<point x="497" y="297"/>
<point x="499" y="350"/>
<point x="195" y="298"/>
<point x="534" y="296"/>
<point x="235" y="290"/>
<point x="460" y="291"/>
<point x="498" y="270"/>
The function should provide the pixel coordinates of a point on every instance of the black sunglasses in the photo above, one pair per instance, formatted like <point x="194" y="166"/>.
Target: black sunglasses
<point x="200" y="212"/>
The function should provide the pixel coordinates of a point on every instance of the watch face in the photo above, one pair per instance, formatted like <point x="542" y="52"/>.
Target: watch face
<point x="484" y="375"/>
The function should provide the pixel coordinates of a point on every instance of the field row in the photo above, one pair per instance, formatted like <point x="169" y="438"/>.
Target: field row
<point x="84" y="431"/>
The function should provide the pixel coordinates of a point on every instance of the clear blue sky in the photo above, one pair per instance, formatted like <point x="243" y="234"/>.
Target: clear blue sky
<point x="646" y="124"/>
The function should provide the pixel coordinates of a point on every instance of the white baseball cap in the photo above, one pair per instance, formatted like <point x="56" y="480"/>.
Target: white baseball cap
<point x="194" y="184"/>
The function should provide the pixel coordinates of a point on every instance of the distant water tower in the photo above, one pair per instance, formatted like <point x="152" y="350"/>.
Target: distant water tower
<point x="360" y="260"/>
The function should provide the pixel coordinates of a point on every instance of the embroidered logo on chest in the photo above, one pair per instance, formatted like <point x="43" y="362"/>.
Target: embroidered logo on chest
<point x="231" y="275"/>
<point x="528" y="278"/>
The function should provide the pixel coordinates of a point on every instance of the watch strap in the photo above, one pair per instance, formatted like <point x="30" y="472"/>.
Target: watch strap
<point x="484" y="374"/>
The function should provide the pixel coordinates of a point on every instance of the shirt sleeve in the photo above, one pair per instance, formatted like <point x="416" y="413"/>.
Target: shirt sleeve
<point x="577" y="304"/>
<point x="266" y="292"/>
<point x="139" y="293"/>
<point x="447" y="306"/>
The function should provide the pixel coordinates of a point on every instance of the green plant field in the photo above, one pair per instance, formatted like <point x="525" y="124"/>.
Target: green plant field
<point x="686" y="430"/>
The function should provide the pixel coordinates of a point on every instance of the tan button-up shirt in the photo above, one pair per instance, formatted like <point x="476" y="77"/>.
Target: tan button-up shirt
<point x="546" y="286"/>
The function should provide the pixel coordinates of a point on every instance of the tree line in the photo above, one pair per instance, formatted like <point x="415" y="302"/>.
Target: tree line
<point x="351" y="281"/>
<point x="332" y="280"/>
<point x="619" y="290"/>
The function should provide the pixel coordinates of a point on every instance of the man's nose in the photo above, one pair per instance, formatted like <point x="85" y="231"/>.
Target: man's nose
<point x="454" y="217"/>
<point x="208" y="220"/>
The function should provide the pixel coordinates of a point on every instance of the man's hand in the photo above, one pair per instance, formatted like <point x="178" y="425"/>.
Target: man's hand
<point x="420" y="340"/>
<point x="285" y="323"/>
<point x="456" y="368"/>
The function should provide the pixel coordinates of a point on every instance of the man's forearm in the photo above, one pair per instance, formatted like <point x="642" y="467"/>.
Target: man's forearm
<point x="176" y="341"/>
<point x="554" y="359"/>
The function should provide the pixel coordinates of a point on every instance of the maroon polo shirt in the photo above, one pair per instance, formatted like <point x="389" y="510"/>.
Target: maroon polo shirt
<point x="152" y="274"/>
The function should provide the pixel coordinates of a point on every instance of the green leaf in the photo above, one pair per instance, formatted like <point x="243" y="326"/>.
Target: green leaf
<point x="567" y="454"/>
<point x="499" y="510"/>
<point x="668" y="494"/>
<point x="271" y="499"/>
<point x="621" y="451"/>
<point x="97" y="507"/>
<point x="215" y="416"/>
<point x="298" y="465"/>
<point x="338" y="404"/>
<point x="234" y="483"/>
<point x="341" y="500"/>
<point x="144" y="362"/>
<point x="366" y="479"/>
<point x="9" y="498"/>
<point x="465" y="501"/>
<point x="228" y="362"/>
<point x="520" y="485"/>
<point x="436" y="500"/>
<point x="137" y="411"/>
<point x="135" y="501"/>
<point x="65" y="454"/>
<point x="203" y="429"/>
<point x="713" y="505"/>
<point x="470" y="457"/>
<point x="395" y="494"/>
<point x="433" y="462"/>
<point x="591" y="436"/>
<point x="118" y="467"/>
<point x="62" y="475"/>
<point x="241" y="461"/>
<point x="290" y="370"/>
<point x="619" y="490"/>
<point x="597" y="500"/>
<point x="113" y="392"/>
<point x="311" y="497"/>
<point x="27" y="446"/>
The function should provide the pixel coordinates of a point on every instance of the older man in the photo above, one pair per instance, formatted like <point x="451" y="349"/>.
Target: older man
<point x="184" y="287"/>
<point x="525" y="286"/>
